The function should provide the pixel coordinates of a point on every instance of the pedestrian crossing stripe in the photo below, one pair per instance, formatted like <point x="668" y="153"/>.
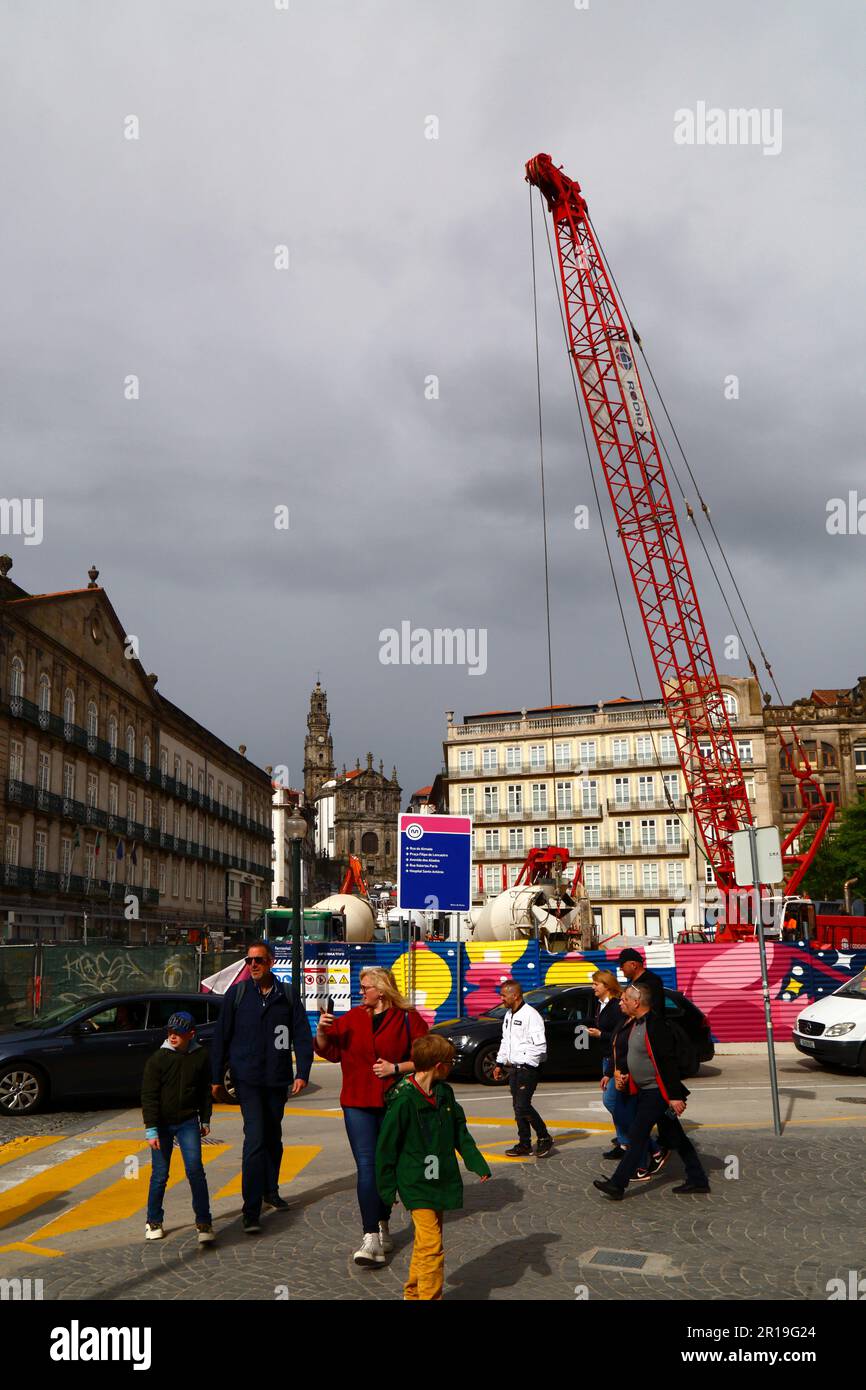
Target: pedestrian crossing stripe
<point x="295" y="1158"/>
<point x="52" y="1181"/>
<point x="38" y="1185"/>
<point x="115" y="1203"/>
<point x="25" y="1145"/>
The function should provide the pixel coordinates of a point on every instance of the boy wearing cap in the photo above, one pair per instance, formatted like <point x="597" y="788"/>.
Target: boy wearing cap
<point x="176" y="1103"/>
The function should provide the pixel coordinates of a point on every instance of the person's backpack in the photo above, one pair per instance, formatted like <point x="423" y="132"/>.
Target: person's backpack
<point x="686" y="1057"/>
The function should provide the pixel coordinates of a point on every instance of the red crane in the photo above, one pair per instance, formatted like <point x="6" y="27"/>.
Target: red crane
<point x="647" y="525"/>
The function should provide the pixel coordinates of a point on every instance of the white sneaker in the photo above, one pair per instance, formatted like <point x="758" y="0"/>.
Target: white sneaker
<point x="370" y="1251"/>
<point x="385" y="1238"/>
<point x="153" y="1232"/>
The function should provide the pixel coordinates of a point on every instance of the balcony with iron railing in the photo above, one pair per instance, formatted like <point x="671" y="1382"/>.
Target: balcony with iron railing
<point x="541" y="727"/>
<point x="605" y="849"/>
<point x="636" y="893"/>
<point x="75" y="885"/>
<point x="529" y="813"/>
<point x="662" y="849"/>
<point x="632" y="807"/>
<point x="20" y="708"/>
<point x="33" y="798"/>
<point x="573" y="766"/>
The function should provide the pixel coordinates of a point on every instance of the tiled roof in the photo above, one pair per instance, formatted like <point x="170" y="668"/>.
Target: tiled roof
<point x="829" y="697"/>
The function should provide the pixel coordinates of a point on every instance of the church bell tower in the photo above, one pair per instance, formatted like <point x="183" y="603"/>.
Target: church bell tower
<point x="318" y="746"/>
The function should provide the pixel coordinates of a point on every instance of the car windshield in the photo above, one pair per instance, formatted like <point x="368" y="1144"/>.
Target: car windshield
<point x="536" y="997"/>
<point x="854" y="989"/>
<point x="51" y="1017"/>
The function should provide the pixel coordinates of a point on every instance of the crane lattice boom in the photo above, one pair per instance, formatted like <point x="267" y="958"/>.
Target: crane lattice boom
<point x="646" y="522"/>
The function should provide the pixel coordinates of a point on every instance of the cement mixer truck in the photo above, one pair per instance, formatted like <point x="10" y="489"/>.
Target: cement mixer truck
<point x="541" y="905"/>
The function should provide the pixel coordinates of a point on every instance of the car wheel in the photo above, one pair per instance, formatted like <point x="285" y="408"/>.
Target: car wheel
<point x="229" y="1085"/>
<point x="23" y="1089"/>
<point x="485" y="1061"/>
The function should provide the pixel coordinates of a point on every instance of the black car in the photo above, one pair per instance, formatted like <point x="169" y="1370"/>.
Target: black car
<point x="93" y="1049"/>
<point x="564" y="1009"/>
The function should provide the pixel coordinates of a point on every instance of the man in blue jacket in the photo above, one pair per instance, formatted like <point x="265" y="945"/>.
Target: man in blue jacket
<point x="260" y="1022"/>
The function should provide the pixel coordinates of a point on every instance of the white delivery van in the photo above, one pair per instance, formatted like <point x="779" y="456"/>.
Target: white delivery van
<point x="833" y="1029"/>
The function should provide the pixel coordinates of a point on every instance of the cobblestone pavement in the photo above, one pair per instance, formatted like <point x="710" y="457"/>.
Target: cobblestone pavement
<point x="791" y="1220"/>
<point x="52" y="1122"/>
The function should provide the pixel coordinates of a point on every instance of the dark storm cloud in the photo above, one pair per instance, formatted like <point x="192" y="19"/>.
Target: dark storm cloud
<point x="410" y="257"/>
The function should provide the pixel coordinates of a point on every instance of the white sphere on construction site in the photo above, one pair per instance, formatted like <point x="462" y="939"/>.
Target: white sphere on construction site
<point x="518" y="911"/>
<point x="360" y="919"/>
<point x="480" y="919"/>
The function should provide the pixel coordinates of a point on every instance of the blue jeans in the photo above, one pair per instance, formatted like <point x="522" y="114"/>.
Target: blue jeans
<point x="362" y="1126"/>
<point x="187" y="1135"/>
<point x="262" y="1109"/>
<point x="611" y="1098"/>
<point x="622" y="1109"/>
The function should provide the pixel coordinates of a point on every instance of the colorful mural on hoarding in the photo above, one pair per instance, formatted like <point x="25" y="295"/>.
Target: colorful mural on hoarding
<point x="724" y="981"/>
<point x="447" y="979"/>
<point x="430" y="978"/>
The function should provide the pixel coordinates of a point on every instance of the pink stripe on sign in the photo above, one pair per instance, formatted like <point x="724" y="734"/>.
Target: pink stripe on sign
<point x="442" y="825"/>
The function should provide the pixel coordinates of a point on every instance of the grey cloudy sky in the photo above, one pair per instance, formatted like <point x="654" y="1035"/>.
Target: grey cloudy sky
<point x="410" y="257"/>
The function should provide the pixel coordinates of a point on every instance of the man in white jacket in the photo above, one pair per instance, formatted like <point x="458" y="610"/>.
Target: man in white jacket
<point x="521" y="1052"/>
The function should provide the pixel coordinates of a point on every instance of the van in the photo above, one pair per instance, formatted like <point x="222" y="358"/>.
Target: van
<point x="833" y="1029"/>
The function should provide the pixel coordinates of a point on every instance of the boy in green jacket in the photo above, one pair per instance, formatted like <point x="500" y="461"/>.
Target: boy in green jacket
<point x="176" y="1103"/>
<point x="415" y="1157"/>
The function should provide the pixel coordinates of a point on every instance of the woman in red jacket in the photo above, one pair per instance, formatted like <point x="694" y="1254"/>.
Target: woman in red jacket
<point x="373" y="1044"/>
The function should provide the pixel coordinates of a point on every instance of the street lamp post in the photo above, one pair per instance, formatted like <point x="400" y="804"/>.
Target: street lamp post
<point x="296" y="829"/>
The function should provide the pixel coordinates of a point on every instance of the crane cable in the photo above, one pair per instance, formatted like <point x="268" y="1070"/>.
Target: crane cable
<point x="543" y="509"/>
<point x="704" y="508"/>
<point x="805" y="773"/>
<point x="689" y="829"/>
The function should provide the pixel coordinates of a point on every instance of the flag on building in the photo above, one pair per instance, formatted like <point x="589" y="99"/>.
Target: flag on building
<point x="118" y="853"/>
<point x="132" y="854"/>
<point x="97" y="844"/>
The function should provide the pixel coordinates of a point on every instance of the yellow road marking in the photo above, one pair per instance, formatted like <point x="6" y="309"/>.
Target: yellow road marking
<point x="54" y="1182"/>
<point x="117" y="1202"/>
<point x="26" y="1144"/>
<point x="334" y="1114"/>
<point x="295" y="1157"/>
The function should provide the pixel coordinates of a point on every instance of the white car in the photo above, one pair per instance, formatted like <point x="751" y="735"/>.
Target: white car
<point x="833" y="1029"/>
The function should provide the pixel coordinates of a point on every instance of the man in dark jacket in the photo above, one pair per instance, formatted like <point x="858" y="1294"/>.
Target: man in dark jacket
<point x="176" y="1106"/>
<point x="632" y="966"/>
<point x="653" y="1076"/>
<point x="260" y="1022"/>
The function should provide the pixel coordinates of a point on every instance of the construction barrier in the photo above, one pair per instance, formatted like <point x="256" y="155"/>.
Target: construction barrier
<point x="443" y="980"/>
<point x="70" y="973"/>
<point x="17" y="977"/>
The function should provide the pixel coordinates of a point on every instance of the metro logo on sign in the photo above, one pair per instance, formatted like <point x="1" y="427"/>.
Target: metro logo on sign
<point x="435" y="868"/>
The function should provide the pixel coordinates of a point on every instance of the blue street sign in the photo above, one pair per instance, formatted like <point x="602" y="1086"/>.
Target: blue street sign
<point x="435" y="869"/>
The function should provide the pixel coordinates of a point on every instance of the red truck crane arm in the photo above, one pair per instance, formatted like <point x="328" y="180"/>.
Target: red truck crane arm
<point x="354" y="878"/>
<point x="647" y="525"/>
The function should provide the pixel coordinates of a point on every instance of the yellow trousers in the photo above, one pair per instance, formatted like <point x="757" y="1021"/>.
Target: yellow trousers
<point x="427" y="1270"/>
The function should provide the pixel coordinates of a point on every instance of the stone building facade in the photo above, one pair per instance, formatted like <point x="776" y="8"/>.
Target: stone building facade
<point x="832" y="726"/>
<point x="604" y="782"/>
<point x="114" y="801"/>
